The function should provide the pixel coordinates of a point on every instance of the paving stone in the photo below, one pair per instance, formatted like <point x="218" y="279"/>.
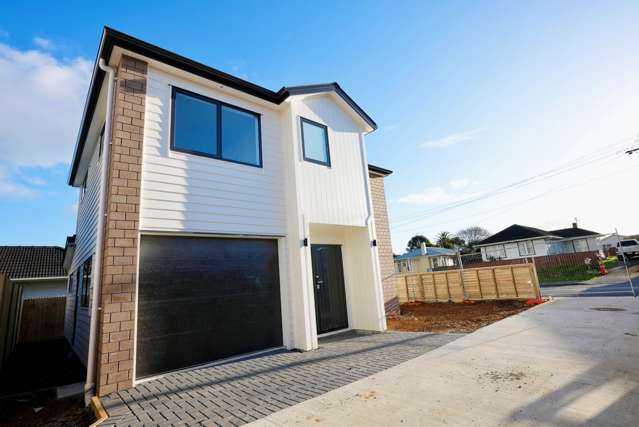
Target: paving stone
<point x="239" y="392"/>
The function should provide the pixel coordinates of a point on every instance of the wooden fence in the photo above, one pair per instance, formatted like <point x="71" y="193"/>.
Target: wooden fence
<point x="42" y="318"/>
<point x="515" y="281"/>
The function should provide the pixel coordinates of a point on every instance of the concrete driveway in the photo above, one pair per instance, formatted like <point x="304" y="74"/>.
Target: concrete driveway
<point x="237" y="392"/>
<point x="571" y="362"/>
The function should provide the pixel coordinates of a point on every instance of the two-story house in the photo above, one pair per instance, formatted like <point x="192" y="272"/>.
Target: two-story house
<point x="217" y="218"/>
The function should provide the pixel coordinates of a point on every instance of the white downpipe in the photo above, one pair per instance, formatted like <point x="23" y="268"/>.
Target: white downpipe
<point x="99" y="244"/>
<point x="372" y="235"/>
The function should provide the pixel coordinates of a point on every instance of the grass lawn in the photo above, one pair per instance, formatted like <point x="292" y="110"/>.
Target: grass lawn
<point x="611" y="261"/>
<point x="566" y="273"/>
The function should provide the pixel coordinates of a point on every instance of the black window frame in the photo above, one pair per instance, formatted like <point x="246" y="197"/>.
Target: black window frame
<point x="86" y="276"/>
<point x="218" y="130"/>
<point x="326" y="142"/>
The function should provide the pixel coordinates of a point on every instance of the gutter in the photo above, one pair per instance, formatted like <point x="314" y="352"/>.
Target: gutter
<point x="99" y="244"/>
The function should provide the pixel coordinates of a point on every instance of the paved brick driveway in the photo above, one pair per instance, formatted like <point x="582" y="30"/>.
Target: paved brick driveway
<point x="239" y="392"/>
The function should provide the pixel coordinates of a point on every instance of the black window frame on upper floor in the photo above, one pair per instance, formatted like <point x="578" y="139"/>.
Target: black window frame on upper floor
<point x="326" y="142"/>
<point x="218" y="118"/>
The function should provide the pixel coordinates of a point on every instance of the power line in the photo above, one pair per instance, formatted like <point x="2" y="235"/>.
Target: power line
<point x="579" y="162"/>
<point x="474" y="216"/>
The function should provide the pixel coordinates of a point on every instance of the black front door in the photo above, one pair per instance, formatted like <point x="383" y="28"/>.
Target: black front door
<point x="328" y="283"/>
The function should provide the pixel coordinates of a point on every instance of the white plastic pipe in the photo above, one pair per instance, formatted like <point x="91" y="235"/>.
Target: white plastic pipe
<point x="99" y="243"/>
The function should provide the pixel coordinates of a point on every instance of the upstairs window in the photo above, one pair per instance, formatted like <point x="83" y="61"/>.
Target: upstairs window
<point x="210" y="128"/>
<point x="315" y="142"/>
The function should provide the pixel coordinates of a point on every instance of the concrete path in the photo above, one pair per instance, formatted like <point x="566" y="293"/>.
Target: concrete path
<point x="571" y="362"/>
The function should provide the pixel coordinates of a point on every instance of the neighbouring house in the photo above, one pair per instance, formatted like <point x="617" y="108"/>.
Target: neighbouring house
<point x="30" y="272"/>
<point x="426" y="258"/>
<point x="608" y="242"/>
<point x="518" y="241"/>
<point x="217" y="218"/>
<point x="37" y="270"/>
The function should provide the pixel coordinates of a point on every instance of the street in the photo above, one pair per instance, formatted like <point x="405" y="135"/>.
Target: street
<point x="614" y="284"/>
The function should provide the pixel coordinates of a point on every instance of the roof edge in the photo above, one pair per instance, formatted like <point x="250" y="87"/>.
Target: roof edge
<point x="111" y="38"/>
<point x="379" y="170"/>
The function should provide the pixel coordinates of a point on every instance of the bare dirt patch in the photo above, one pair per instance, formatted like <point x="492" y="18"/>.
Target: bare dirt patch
<point x="56" y="413"/>
<point x="466" y="316"/>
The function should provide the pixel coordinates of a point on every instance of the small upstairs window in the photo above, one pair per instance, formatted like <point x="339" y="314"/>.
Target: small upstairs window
<point x="315" y="142"/>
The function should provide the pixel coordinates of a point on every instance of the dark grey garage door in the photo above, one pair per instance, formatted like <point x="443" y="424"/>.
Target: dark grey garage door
<point x="202" y="299"/>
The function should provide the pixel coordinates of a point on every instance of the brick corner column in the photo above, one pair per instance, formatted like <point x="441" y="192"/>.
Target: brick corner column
<point x="119" y="272"/>
<point x="384" y="246"/>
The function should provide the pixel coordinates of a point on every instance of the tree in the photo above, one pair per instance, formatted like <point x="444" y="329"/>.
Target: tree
<point x="443" y="240"/>
<point x="416" y="241"/>
<point x="449" y="241"/>
<point x="473" y="234"/>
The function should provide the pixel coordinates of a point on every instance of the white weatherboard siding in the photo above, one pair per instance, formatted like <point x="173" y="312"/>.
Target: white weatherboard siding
<point x="187" y="193"/>
<point x="86" y="229"/>
<point x="335" y="194"/>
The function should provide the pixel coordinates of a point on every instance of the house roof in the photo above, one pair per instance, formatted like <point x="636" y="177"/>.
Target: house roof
<point x="379" y="170"/>
<point x="32" y="261"/>
<point x="571" y="232"/>
<point x="430" y="251"/>
<point x="521" y="232"/>
<point x="112" y="38"/>
<point x="515" y="232"/>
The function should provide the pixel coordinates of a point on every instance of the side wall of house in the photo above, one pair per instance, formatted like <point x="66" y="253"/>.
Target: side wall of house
<point x="85" y="247"/>
<point x="384" y="246"/>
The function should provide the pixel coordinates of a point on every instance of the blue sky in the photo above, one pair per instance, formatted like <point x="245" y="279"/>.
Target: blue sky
<point x="469" y="97"/>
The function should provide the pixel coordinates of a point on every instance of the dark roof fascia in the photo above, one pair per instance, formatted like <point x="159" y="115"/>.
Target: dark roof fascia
<point x="112" y="38"/>
<point x="327" y="87"/>
<point x="379" y="170"/>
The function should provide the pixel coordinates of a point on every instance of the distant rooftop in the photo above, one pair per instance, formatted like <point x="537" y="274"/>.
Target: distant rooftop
<point x="430" y="251"/>
<point x="31" y="261"/>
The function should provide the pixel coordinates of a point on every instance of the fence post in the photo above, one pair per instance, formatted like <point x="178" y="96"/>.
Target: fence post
<point x="535" y="280"/>
<point x="461" y="274"/>
<point x="495" y="282"/>
<point x="512" y="274"/>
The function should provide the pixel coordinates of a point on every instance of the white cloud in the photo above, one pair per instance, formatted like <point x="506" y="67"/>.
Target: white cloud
<point x="441" y="195"/>
<point x="43" y="43"/>
<point x="42" y="105"/>
<point x="452" y="139"/>
<point x="35" y="180"/>
<point x="430" y="196"/>
<point x="9" y="188"/>
<point x="459" y="183"/>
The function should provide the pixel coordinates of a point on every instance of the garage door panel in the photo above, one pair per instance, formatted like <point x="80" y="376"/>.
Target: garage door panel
<point x="202" y="299"/>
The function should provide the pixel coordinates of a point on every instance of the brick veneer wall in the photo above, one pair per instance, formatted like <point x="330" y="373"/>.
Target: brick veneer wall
<point x="117" y="296"/>
<point x="384" y="247"/>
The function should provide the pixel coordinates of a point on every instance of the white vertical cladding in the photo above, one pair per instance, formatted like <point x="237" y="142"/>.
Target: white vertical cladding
<point x="301" y="303"/>
<point x="188" y="193"/>
<point x="335" y="194"/>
